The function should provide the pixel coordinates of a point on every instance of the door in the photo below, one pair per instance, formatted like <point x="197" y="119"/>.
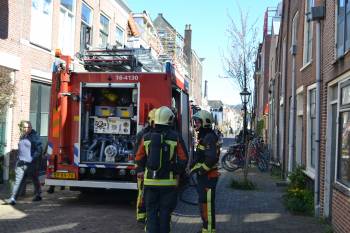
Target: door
<point x="2" y="133"/>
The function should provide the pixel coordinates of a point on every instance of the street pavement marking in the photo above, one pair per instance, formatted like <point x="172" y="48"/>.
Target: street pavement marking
<point x="53" y="228"/>
<point x="8" y="212"/>
<point x="261" y="217"/>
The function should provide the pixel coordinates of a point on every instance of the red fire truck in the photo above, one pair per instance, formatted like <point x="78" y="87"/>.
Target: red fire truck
<point x="96" y="114"/>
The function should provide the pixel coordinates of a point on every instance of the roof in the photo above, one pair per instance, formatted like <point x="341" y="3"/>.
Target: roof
<point x="215" y="103"/>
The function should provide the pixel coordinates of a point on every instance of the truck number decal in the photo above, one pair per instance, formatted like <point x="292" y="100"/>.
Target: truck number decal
<point x="126" y="77"/>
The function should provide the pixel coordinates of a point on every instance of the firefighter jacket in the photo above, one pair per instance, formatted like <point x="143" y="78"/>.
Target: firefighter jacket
<point x="207" y="154"/>
<point x="162" y="155"/>
<point x="139" y="137"/>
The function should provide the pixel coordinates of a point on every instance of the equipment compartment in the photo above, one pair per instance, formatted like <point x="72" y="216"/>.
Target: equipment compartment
<point x="108" y="124"/>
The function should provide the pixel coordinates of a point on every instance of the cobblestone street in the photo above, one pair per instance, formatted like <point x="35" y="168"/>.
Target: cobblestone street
<point x="257" y="211"/>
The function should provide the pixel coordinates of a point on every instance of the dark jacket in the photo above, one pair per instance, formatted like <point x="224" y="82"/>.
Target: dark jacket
<point x="36" y="145"/>
<point x="207" y="153"/>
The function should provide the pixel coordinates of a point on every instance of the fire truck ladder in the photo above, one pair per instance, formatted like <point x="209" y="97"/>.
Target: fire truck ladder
<point x="127" y="60"/>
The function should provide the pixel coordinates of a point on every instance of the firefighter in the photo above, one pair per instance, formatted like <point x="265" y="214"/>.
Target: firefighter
<point x="161" y="158"/>
<point x="140" y="204"/>
<point x="205" y="166"/>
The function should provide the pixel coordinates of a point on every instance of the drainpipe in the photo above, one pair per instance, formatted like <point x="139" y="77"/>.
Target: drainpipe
<point x="291" y="153"/>
<point x="317" y="15"/>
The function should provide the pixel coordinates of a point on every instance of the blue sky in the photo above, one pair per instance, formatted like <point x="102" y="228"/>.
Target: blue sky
<point x="209" y="20"/>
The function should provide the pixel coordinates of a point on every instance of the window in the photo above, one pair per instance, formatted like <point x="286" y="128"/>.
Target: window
<point x="295" y="29"/>
<point x="311" y="145"/>
<point x="119" y="36"/>
<point x="343" y="27"/>
<point x="39" y="108"/>
<point x="104" y="31"/>
<point x="299" y="128"/>
<point x="85" y="29"/>
<point x="343" y="158"/>
<point x="66" y="27"/>
<point x="41" y="23"/>
<point x="307" y="32"/>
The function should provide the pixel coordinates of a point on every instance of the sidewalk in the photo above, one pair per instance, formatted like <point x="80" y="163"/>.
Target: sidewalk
<point x="259" y="211"/>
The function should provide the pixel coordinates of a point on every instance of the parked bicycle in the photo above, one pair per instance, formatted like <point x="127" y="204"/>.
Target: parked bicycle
<point x="234" y="158"/>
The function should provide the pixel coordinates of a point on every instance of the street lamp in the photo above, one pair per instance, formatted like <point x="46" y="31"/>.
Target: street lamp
<point x="245" y="95"/>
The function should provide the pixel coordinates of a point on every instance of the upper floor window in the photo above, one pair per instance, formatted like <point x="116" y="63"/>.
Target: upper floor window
<point x="119" y="36"/>
<point x="343" y="158"/>
<point x="307" y="32"/>
<point x="66" y="28"/>
<point x="41" y="23"/>
<point x="295" y="29"/>
<point x="86" y="27"/>
<point x="104" y="30"/>
<point x="343" y="27"/>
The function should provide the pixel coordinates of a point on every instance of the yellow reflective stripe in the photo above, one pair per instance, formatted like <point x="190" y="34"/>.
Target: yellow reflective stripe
<point x="198" y="165"/>
<point x="171" y="175"/>
<point x="160" y="182"/>
<point x="141" y="216"/>
<point x="139" y="199"/>
<point x="207" y="231"/>
<point x="210" y="226"/>
<point x="146" y="144"/>
<point x="172" y="145"/>
<point x="205" y="167"/>
<point x="201" y="147"/>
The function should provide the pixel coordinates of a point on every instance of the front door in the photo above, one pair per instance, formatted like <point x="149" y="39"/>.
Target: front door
<point x="2" y="133"/>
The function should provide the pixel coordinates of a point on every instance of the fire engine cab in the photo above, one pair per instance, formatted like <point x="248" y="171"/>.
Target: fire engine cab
<point x="96" y="114"/>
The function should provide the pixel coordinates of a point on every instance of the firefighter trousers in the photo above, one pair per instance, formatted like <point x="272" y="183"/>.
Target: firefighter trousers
<point x="160" y="203"/>
<point x="140" y="205"/>
<point x="206" y="200"/>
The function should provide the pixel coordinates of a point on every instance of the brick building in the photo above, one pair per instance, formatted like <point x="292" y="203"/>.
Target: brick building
<point x="30" y="31"/>
<point x="312" y="92"/>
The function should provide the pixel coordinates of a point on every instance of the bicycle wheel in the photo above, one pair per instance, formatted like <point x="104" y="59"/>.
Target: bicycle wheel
<point x="263" y="165"/>
<point x="230" y="162"/>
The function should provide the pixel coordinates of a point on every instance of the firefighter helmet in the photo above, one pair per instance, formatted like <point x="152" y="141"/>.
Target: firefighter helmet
<point x="205" y="117"/>
<point x="151" y="115"/>
<point x="164" y="116"/>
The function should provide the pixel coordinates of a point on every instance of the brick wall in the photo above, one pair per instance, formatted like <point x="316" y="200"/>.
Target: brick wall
<point x="15" y="20"/>
<point x="331" y="69"/>
<point x="341" y="213"/>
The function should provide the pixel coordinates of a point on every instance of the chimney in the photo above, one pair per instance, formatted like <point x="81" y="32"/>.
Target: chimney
<point x="188" y="43"/>
<point x="206" y="89"/>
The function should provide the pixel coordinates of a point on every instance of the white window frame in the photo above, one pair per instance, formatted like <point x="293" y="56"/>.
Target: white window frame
<point x="345" y="80"/>
<point x="68" y="13"/>
<point x="101" y="31"/>
<point x="345" y="48"/>
<point x="299" y="143"/>
<point x="308" y="30"/>
<point x="42" y="39"/>
<point x="310" y="171"/>
<point x="89" y="24"/>
<point x="121" y="43"/>
<point x="295" y="29"/>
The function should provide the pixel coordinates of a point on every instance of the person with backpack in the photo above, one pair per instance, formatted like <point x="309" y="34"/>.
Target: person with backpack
<point x="205" y="166"/>
<point x="161" y="158"/>
<point x="28" y="160"/>
<point x="140" y="203"/>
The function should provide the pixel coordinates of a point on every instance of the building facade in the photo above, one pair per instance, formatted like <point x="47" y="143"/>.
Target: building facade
<point x="309" y="102"/>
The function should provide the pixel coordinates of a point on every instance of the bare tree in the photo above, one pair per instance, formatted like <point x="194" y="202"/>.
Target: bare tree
<point x="239" y="62"/>
<point x="7" y="89"/>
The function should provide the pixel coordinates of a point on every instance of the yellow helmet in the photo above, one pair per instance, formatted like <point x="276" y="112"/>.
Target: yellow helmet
<point x="164" y="116"/>
<point x="151" y="115"/>
<point x="205" y="117"/>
